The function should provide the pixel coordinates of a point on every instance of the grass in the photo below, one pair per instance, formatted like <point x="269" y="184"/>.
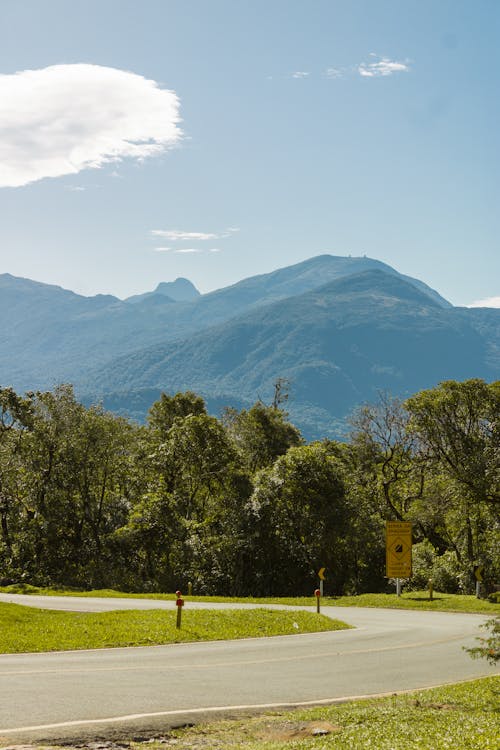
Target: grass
<point x="458" y="717"/>
<point x="409" y="599"/>
<point x="26" y="629"/>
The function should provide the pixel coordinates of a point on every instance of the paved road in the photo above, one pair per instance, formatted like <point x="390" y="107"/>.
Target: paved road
<point x="109" y="692"/>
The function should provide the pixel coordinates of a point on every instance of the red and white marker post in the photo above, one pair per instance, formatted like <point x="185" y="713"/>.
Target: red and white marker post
<point x="179" y="603"/>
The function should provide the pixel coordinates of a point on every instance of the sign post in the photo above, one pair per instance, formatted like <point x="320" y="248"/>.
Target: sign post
<point x="398" y="551"/>
<point x="317" y="594"/>
<point x="478" y="575"/>
<point x="179" y="603"/>
<point x="321" y="576"/>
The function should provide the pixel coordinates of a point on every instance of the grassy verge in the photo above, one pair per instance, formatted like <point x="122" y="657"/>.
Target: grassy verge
<point x="25" y="629"/>
<point x="409" y="600"/>
<point x="463" y="716"/>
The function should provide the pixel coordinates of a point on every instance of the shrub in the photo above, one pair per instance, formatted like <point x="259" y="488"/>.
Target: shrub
<point x="444" y="569"/>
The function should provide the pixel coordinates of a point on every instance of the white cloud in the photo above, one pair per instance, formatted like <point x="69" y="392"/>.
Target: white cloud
<point x="214" y="250"/>
<point x="383" y="67"/>
<point x="59" y="120"/>
<point x="300" y="74"/>
<point x="174" y="234"/>
<point x="76" y="188"/>
<point x="488" y="302"/>
<point x="161" y="249"/>
<point x="333" y="73"/>
<point x="177" y="235"/>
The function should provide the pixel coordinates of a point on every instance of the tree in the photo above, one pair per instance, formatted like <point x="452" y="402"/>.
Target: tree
<point x="459" y="424"/>
<point x="386" y="447"/>
<point x="16" y="417"/>
<point x="75" y="468"/>
<point x="490" y="646"/>
<point x="300" y="521"/>
<point x="260" y="434"/>
<point x="168" y="409"/>
<point x="183" y="522"/>
<point x="458" y="427"/>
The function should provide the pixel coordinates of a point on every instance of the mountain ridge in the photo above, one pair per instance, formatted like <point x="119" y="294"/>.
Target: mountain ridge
<point x="339" y="328"/>
<point x="337" y="345"/>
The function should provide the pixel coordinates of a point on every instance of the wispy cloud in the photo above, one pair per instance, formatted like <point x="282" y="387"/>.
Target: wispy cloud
<point x="189" y="250"/>
<point x="65" y="118"/>
<point x="382" y="66"/>
<point x="198" y="250"/>
<point x="334" y="72"/>
<point x="177" y="235"/>
<point x="76" y="188"/>
<point x="173" y="234"/>
<point x="377" y="67"/>
<point x="162" y="249"/>
<point x="487" y="302"/>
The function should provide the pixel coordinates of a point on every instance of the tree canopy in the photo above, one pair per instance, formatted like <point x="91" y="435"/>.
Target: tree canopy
<point x="240" y="504"/>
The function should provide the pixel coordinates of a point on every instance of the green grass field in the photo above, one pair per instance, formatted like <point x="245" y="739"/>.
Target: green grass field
<point x="409" y="600"/>
<point x="26" y="629"/>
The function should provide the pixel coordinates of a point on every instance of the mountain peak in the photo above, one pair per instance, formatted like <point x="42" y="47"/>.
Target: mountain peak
<point x="180" y="290"/>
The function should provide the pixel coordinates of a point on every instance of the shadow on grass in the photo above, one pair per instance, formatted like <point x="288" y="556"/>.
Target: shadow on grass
<point x="425" y="598"/>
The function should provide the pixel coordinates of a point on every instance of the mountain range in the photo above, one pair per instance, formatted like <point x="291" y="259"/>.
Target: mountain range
<point x="339" y="329"/>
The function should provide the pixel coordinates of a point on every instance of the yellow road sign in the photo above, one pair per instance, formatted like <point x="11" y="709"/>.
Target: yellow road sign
<point x="478" y="572"/>
<point x="321" y="574"/>
<point x="398" y="549"/>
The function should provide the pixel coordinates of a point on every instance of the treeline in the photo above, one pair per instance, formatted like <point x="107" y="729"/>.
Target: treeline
<point x="241" y="505"/>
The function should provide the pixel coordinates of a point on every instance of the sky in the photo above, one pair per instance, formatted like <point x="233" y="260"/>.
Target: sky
<point x="145" y="140"/>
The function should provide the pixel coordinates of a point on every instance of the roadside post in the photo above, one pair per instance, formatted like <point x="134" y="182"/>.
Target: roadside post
<point x="398" y="545"/>
<point x="478" y="575"/>
<point x="317" y="594"/>
<point x="190" y="588"/>
<point x="179" y="603"/>
<point x="431" y="589"/>
<point x="321" y="576"/>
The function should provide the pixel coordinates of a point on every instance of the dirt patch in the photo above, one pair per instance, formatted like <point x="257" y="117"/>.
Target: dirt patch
<point x="289" y="731"/>
<point x="436" y="706"/>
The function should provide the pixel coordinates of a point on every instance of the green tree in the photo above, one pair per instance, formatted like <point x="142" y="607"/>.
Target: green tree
<point x="300" y="522"/>
<point x="168" y="409"/>
<point x="75" y="468"/>
<point x="459" y="425"/>
<point x="458" y="428"/>
<point x="16" y="417"/>
<point x="489" y="647"/>
<point x="184" y="521"/>
<point x="261" y="434"/>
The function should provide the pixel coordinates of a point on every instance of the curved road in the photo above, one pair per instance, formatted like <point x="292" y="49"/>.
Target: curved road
<point x="112" y="692"/>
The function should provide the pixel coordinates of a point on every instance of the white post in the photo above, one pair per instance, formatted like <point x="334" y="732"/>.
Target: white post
<point x="398" y="586"/>
<point x="478" y="589"/>
<point x="321" y="587"/>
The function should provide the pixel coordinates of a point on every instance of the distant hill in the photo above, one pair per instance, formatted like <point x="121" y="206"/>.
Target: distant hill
<point x="338" y="328"/>
<point x="51" y="335"/>
<point x="338" y="345"/>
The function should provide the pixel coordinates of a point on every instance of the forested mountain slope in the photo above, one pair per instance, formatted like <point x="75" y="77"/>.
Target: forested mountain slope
<point x="50" y="335"/>
<point x="337" y="345"/>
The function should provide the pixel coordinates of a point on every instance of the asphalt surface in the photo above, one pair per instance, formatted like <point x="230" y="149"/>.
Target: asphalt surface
<point x="135" y="691"/>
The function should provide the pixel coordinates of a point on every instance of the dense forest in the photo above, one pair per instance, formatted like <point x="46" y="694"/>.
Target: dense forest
<point x="241" y="505"/>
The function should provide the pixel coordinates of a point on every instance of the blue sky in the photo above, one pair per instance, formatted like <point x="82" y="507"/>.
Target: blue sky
<point x="141" y="141"/>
